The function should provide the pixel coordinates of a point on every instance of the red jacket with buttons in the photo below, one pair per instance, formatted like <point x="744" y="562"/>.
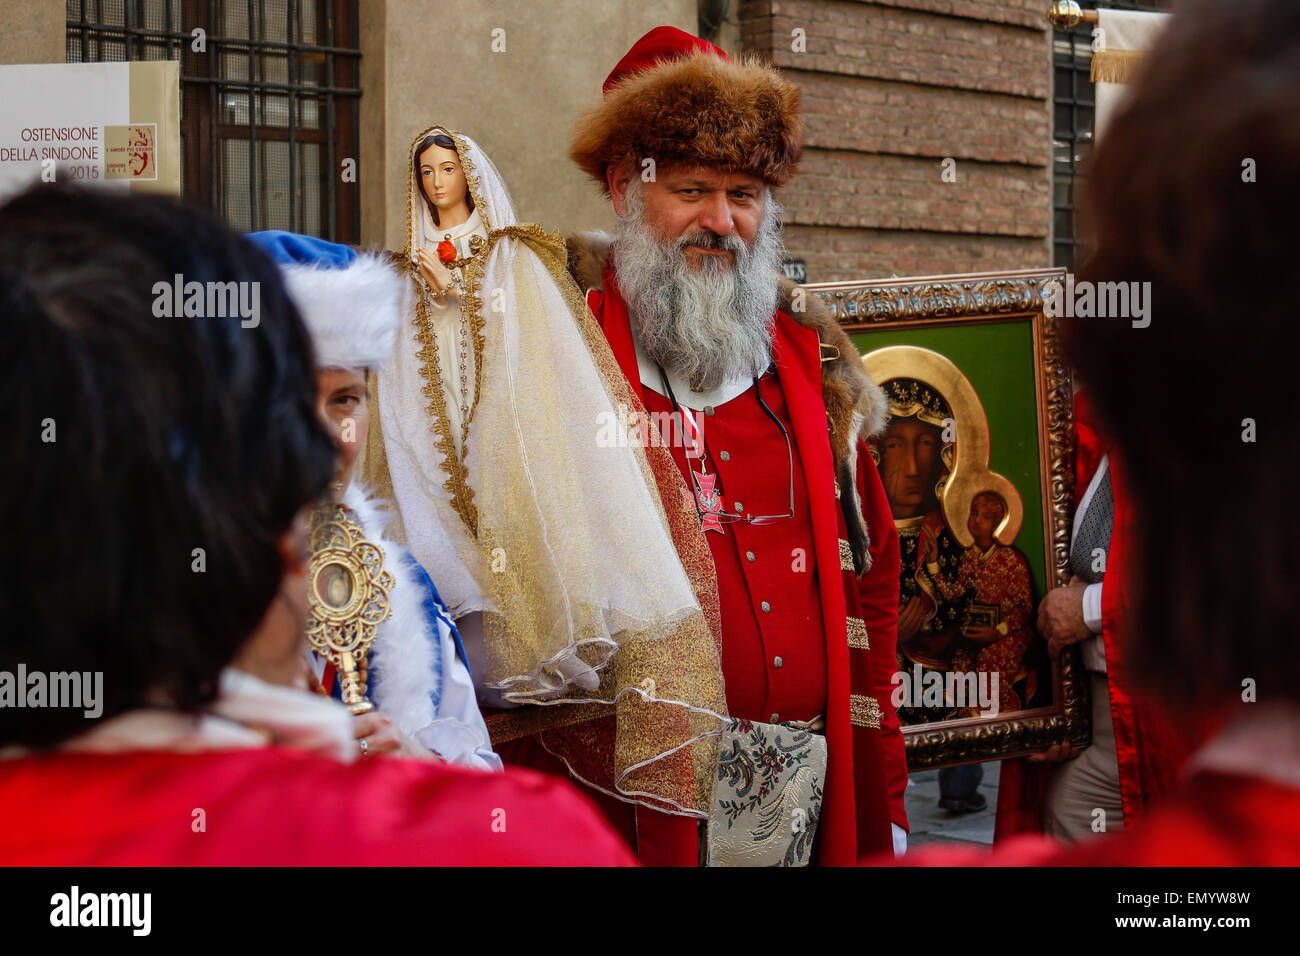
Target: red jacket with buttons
<point x="798" y="598"/>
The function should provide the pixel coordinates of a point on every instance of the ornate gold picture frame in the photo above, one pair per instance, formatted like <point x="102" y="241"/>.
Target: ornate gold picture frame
<point x="980" y="441"/>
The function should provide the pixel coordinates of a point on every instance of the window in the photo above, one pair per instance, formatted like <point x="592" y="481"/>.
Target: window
<point x="269" y="104"/>
<point x="1072" y="124"/>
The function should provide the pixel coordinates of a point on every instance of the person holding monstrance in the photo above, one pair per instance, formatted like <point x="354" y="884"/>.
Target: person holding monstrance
<point x="382" y="636"/>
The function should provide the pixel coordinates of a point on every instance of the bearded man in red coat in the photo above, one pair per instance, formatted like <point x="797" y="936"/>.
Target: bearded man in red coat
<point x="773" y="403"/>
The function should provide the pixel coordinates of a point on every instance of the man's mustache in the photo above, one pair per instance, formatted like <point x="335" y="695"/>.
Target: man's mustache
<point x="711" y="240"/>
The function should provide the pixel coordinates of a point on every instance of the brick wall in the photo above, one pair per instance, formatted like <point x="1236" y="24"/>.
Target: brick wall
<point x="890" y="90"/>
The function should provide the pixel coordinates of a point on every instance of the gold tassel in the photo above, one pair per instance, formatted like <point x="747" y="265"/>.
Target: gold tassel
<point x="1115" y="66"/>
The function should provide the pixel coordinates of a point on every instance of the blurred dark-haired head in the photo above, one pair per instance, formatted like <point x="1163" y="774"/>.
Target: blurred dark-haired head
<point x="154" y="462"/>
<point x="1195" y="187"/>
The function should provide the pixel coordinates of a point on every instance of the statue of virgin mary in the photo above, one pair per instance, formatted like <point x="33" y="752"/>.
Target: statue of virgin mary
<point x="573" y="582"/>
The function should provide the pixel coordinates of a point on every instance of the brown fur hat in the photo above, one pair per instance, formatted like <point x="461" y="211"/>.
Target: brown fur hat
<point x="701" y="109"/>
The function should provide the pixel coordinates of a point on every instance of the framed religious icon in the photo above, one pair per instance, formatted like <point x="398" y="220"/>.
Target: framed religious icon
<point x="977" y="463"/>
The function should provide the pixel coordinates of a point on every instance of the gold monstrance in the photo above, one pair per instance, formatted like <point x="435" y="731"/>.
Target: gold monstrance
<point x="348" y="591"/>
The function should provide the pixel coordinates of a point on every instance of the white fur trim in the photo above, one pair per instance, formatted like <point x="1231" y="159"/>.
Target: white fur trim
<point x="353" y="314"/>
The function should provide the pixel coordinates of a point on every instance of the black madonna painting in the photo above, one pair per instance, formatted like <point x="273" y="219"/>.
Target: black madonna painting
<point x="975" y="462"/>
<point x="966" y="596"/>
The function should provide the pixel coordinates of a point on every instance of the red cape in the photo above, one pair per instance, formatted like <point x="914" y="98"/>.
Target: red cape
<point x="1210" y="819"/>
<point x="273" y="806"/>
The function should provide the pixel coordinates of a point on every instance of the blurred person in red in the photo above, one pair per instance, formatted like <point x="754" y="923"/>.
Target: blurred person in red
<point x="153" y="701"/>
<point x="1136" y="751"/>
<point x="1194" y="190"/>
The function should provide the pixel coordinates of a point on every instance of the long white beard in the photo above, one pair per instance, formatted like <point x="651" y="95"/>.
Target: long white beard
<point x="709" y="324"/>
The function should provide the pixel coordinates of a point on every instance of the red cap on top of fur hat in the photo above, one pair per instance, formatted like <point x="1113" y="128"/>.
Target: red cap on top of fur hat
<point x="675" y="98"/>
<point x="660" y="45"/>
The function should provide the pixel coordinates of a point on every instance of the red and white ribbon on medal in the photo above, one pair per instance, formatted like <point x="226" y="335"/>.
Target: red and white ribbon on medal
<point x="707" y="498"/>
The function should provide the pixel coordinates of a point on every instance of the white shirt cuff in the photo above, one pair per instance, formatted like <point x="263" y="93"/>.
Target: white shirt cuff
<point x="1092" y="607"/>
<point x="900" y="839"/>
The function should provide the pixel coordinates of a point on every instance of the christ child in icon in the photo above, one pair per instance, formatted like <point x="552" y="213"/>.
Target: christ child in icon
<point x="996" y="578"/>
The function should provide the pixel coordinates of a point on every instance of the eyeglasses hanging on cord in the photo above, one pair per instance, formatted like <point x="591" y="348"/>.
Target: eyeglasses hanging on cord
<point x="708" y="499"/>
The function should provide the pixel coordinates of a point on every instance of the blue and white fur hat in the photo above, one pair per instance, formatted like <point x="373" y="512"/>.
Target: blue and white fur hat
<point x="352" y="303"/>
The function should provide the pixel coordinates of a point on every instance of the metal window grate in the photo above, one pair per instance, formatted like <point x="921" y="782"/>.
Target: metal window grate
<point x="1072" y="124"/>
<point x="269" y="109"/>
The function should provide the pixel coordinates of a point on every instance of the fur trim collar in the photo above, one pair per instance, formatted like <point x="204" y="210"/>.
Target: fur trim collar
<point x="700" y="109"/>
<point x="855" y="405"/>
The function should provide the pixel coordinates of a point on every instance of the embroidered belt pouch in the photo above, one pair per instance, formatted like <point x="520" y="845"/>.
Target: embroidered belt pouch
<point x="768" y="796"/>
